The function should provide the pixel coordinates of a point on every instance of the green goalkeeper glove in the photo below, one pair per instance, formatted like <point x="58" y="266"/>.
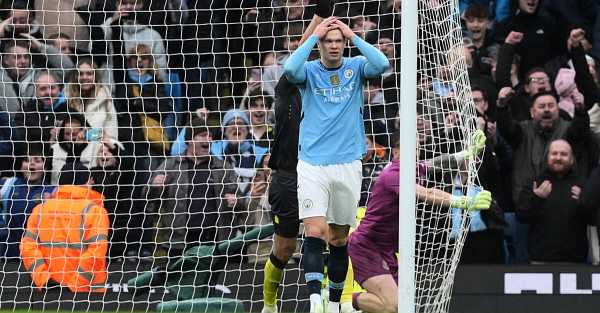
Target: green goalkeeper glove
<point x="481" y="201"/>
<point x="476" y="148"/>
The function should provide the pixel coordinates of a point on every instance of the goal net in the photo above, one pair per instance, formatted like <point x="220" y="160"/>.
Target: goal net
<point x="136" y="94"/>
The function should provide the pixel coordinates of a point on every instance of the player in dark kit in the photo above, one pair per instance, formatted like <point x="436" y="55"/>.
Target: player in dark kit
<point x="283" y="193"/>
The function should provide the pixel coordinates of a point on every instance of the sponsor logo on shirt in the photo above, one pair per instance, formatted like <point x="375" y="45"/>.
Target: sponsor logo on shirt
<point x="336" y="94"/>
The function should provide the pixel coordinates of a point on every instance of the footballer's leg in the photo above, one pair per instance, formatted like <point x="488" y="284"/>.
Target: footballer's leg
<point x="337" y="265"/>
<point x="284" y="213"/>
<point x="313" y="202"/>
<point x="381" y="295"/>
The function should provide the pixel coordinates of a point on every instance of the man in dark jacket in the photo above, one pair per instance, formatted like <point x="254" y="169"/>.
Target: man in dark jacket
<point x="39" y="116"/>
<point x="542" y="37"/>
<point x="552" y="207"/>
<point x="195" y="195"/>
<point x="530" y="139"/>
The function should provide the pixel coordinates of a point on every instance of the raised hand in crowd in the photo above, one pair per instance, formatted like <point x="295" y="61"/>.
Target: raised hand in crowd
<point x="35" y="43"/>
<point x="159" y="180"/>
<point x="504" y="96"/>
<point x="543" y="190"/>
<point x="575" y="38"/>
<point x="4" y="26"/>
<point x="514" y="38"/>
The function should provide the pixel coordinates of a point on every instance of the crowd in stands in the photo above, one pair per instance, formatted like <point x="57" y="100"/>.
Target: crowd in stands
<point x="170" y="106"/>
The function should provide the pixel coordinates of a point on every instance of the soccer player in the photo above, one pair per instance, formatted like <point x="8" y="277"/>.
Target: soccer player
<point x="373" y="245"/>
<point x="283" y="188"/>
<point x="331" y="145"/>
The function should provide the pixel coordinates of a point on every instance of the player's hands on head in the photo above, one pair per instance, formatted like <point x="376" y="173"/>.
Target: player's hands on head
<point x="346" y="31"/>
<point x="325" y="26"/>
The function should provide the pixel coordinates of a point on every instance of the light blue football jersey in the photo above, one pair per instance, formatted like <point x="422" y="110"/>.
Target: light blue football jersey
<point x="332" y="130"/>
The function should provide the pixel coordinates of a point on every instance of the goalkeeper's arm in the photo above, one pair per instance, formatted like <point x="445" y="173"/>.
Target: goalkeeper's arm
<point x="481" y="201"/>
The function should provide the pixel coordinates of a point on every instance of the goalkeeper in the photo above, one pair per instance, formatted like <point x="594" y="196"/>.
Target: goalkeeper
<point x="373" y="245"/>
<point x="331" y="145"/>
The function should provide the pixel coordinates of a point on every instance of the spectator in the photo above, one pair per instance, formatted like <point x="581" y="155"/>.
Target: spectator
<point x="17" y="75"/>
<point x="20" y="194"/>
<point x="259" y="210"/>
<point x="258" y="198"/>
<point x="64" y="17"/>
<point x="125" y="32"/>
<point x="195" y="195"/>
<point x="537" y="81"/>
<point x="569" y="95"/>
<point x="56" y="60"/>
<point x="72" y="223"/>
<point x="73" y="145"/>
<point x="143" y="106"/>
<point x="390" y="17"/>
<point x="20" y="20"/>
<point x="586" y="81"/>
<point x="536" y="35"/>
<point x="477" y="23"/>
<point x="553" y="209"/>
<point x="500" y="9"/>
<point x="376" y="112"/>
<point x="87" y="95"/>
<point x="236" y="148"/>
<point x="362" y="26"/>
<point x="291" y="41"/>
<point x="573" y="13"/>
<point x="115" y="182"/>
<point x="261" y="130"/>
<point x="10" y="141"/>
<point x="590" y="197"/>
<point x="530" y="139"/>
<point x="39" y="117"/>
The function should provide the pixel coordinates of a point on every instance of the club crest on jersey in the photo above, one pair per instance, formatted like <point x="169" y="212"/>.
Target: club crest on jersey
<point x="334" y="79"/>
<point x="348" y="73"/>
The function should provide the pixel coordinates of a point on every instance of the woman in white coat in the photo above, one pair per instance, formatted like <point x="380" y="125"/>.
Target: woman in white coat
<point x="85" y="94"/>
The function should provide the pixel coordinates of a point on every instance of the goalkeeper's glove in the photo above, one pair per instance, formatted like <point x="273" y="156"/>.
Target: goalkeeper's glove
<point x="324" y="8"/>
<point x="481" y="201"/>
<point x="478" y="143"/>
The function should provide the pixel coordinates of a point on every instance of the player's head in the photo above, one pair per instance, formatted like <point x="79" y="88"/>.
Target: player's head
<point x="331" y="46"/>
<point x="395" y="145"/>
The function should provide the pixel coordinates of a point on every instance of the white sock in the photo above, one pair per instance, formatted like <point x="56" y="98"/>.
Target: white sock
<point x="334" y="307"/>
<point x="315" y="298"/>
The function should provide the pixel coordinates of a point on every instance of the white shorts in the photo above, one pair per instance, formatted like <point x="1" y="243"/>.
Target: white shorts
<point x="331" y="191"/>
